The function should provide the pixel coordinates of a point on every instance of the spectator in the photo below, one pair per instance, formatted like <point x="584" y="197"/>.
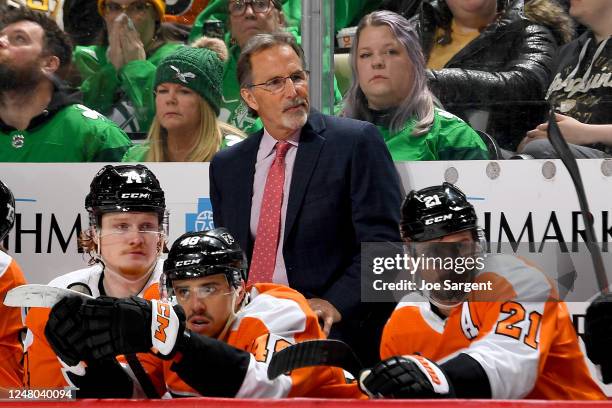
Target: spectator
<point x="128" y="226"/>
<point x="490" y="60"/>
<point x="581" y="89"/>
<point x="245" y="20"/>
<point x="118" y="73"/>
<point x="220" y="339"/>
<point x="187" y="100"/>
<point x="38" y="121"/>
<point x="390" y="90"/>
<point x="11" y="324"/>
<point x="340" y="189"/>
<point x="346" y="13"/>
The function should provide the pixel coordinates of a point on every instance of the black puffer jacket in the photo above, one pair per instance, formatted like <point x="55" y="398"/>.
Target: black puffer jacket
<point x="505" y="71"/>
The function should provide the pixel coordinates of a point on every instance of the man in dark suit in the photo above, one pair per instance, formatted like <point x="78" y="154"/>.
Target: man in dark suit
<point x="336" y="188"/>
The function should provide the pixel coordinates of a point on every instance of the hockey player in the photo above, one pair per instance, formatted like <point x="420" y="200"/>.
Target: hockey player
<point x="128" y="224"/>
<point x="220" y="345"/>
<point x="511" y="342"/>
<point x="11" y="325"/>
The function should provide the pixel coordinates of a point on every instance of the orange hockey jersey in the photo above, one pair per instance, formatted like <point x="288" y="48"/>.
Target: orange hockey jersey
<point x="524" y="341"/>
<point x="11" y="325"/>
<point x="275" y="317"/>
<point x="43" y="368"/>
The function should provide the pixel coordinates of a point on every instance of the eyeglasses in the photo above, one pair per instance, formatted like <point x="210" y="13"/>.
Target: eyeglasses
<point x="132" y="9"/>
<point x="277" y="84"/>
<point x="123" y="229"/>
<point x="183" y="294"/>
<point x="238" y="7"/>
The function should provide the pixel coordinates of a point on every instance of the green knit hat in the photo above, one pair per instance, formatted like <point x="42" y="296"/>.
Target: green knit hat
<point x="199" y="69"/>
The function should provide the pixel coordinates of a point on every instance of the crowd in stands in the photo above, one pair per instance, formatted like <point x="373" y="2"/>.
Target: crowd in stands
<point x="441" y="79"/>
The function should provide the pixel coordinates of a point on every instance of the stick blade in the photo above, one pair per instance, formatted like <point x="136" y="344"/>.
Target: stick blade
<point x="38" y="296"/>
<point x="314" y="353"/>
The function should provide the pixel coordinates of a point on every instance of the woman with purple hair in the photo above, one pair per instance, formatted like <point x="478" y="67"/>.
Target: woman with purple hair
<point x="390" y="90"/>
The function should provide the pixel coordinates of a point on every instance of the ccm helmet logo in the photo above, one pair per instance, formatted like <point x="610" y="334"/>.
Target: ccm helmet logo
<point x="135" y="195"/>
<point x="438" y="219"/>
<point x="187" y="262"/>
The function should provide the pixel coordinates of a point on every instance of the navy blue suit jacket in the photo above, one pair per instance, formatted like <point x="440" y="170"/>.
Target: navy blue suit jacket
<point x="344" y="191"/>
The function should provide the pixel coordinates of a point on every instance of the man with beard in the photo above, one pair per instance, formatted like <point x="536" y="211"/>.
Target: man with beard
<point x="302" y="194"/>
<point x="38" y="121"/>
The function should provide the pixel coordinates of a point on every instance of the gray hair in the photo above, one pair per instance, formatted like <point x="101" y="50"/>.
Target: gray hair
<point x="261" y="42"/>
<point x="419" y="103"/>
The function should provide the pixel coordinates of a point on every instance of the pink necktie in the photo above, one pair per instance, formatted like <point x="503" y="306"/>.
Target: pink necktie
<point x="268" y="229"/>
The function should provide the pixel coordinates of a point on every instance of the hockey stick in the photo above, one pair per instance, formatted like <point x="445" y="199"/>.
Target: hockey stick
<point x="33" y="295"/>
<point x="315" y="353"/>
<point x="560" y="145"/>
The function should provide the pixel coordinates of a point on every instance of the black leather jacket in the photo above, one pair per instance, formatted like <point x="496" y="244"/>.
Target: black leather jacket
<point x="504" y="72"/>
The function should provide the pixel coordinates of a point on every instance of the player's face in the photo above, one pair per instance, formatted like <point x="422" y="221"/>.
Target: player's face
<point x="245" y="26"/>
<point x="21" y="47"/>
<point x="384" y="69"/>
<point x="207" y="303"/>
<point x="177" y="108"/>
<point x="285" y="111"/>
<point x="440" y="253"/>
<point x="130" y="242"/>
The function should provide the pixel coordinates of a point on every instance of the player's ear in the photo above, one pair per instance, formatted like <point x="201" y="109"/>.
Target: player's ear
<point x="241" y="294"/>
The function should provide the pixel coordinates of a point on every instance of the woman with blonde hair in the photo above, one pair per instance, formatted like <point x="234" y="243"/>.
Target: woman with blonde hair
<point x="187" y="99"/>
<point x="390" y="90"/>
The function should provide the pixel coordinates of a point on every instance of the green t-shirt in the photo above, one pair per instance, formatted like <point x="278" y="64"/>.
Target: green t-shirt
<point x="102" y="82"/>
<point x="449" y="138"/>
<point x="138" y="153"/>
<point x="74" y="134"/>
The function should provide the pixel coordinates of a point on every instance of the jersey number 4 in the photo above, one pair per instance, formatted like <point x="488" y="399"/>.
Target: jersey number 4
<point x="510" y="325"/>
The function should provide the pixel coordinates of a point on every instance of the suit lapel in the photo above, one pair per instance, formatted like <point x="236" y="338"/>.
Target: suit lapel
<point x="306" y="159"/>
<point x="245" y="169"/>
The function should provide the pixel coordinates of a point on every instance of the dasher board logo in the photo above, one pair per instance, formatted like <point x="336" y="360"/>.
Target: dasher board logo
<point x="202" y="219"/>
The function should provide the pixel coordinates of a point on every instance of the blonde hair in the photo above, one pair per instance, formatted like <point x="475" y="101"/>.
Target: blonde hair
<point x="210" y="136"/>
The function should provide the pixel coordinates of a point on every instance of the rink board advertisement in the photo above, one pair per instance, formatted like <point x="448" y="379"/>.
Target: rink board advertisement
<point x="516" y="201"/>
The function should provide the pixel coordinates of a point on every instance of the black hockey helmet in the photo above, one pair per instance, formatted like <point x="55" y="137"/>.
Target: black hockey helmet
<point x="7" y="210"/>
<point x="125" y="188"/>
<point x="436" y="211"/>
<point x="204" y="253"/>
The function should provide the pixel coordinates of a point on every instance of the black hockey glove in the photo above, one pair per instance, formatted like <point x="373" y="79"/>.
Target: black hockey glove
<point x="65" y="333"/>
<point x="405" y="377"/>
<point x="132" y="325"/>
<point x="598" y="334"/>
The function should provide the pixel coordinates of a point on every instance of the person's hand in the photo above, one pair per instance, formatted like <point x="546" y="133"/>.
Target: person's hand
<point x="131" y="44"/>
<point x="115" y="32"/>
<point x="326" y="312"/>
<point x="65" y="333"/>
<point x="573" y="132"/>
<point x="405" y="377"/>
<point x="131" y="325"/>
